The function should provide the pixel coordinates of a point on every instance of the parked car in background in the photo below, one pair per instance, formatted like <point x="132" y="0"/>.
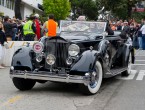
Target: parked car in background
<point x="83" y="53"/>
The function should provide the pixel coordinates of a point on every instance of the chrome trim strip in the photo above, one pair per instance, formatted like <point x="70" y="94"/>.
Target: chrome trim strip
<point x="49" y="77"/>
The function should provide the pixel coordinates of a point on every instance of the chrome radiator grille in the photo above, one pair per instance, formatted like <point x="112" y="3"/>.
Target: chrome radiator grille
<point x="59" y="48"/>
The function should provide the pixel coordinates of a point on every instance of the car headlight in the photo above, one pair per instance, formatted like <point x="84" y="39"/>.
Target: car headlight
<point x="38" y="47"/>
<point x="73" y="50"/>
<point x="50" y="59"/>
<point x="39" y="57"/>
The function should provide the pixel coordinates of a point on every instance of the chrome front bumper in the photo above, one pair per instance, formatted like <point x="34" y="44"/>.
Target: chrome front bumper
<point x="51" y="77"/>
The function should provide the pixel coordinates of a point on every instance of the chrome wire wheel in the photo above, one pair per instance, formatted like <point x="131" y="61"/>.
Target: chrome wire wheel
<point x="96" y="80"/>
<point x="95" y="84"/>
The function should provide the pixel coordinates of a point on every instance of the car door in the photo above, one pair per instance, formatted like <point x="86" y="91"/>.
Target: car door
<point x="115" y="51"/>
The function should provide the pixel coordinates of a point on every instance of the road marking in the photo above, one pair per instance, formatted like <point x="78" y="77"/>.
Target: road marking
<point x="23" y="43"/>
<point x="138" y="64"/>
<point x="11" y="101"/>
<point x="130" y="77"/>
<point x="140" y="60"/>
<point x="140" y="75"/>
<point x="12" y="45"/>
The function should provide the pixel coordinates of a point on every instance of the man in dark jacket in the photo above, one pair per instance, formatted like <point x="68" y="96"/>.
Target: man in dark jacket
<point x="8" y="27"/>
<point x="108" y="29"/>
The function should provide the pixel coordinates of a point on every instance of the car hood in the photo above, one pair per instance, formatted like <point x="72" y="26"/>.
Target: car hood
<point x="76" y="38"/>
<point x="80" y="37"/>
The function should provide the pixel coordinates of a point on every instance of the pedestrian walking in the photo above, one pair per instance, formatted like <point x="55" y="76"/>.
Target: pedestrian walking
<point x="2" y="40"/>
<point x="29" y="29"/>
<point x="51" y="26"/>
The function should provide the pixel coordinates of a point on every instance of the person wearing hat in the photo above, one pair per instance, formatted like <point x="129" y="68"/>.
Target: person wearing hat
<point x="51" y="26"/>
<point x="38" y="29"/>
<point x="29" y="29"/>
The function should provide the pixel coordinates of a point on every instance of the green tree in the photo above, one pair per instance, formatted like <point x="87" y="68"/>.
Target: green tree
<point x="75" y="8"/>
<point x="60" y="8"/>
<point x="89" y="8"/>
<point x="120" y="8"/>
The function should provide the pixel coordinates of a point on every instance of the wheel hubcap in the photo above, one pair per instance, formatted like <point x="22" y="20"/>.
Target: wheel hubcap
<point x="94" y="79"/>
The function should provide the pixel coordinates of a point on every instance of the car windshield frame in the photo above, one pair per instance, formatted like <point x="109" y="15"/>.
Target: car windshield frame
<point x="82" y="26"/>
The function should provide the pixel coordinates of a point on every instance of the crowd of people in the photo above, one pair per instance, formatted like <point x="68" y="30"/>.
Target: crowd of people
<point x="24" y="30"/>
<point x="15" y="29"/>
<point x="12" y="29"/>
<point x="135" y="30"/>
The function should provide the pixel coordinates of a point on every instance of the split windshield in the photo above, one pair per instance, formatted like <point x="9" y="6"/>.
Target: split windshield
<point x="82" y="27"/>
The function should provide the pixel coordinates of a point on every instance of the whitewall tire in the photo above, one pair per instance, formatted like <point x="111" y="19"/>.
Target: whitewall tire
<point x="128" y="71"/>
<point x="94" y="86"/>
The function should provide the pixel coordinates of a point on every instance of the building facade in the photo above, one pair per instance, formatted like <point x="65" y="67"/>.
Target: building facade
<point x="27" y="7"/>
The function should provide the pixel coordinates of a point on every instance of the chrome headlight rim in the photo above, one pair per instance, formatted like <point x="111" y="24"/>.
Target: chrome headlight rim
<point x="52" y="58"/>
<point x="73" y="50"/>
<point x="38" y="44"/>
<point x="39" y="57"/>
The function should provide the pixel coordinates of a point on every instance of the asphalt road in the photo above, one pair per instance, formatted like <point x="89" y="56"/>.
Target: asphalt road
<point x="116" y="93"/>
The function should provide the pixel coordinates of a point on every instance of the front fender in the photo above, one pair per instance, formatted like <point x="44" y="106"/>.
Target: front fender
<point x="85" y="62"/>
<point x="22" y="58"/>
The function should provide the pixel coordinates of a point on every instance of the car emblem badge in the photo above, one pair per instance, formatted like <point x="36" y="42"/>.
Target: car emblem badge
<point x="91" y="47"/>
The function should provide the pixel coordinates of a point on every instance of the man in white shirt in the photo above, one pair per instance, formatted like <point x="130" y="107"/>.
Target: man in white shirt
<point x="143" y="35"/>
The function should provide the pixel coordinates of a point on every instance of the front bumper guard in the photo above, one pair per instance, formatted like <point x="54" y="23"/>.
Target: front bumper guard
<point x="51" y="77"/>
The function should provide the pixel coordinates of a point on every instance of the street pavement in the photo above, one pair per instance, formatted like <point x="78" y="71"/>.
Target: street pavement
<point x="117" y="93"/>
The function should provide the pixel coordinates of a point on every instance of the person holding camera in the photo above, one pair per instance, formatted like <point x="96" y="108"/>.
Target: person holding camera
<point x="8" y="27"/>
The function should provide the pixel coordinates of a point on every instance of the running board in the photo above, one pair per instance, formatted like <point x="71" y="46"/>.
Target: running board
<point x="114" y="72"/>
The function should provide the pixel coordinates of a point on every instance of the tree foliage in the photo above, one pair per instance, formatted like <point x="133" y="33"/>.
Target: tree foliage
<point x="60" y="8"/>
<point x="120" y="8"/>
<point x="88" y="8"/>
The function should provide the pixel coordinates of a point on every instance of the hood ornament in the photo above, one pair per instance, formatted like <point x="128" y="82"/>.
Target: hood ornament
<point x="91" y="48"/>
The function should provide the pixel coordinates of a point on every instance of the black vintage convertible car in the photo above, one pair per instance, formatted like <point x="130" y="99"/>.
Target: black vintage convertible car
<point x="83" y="53"/>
